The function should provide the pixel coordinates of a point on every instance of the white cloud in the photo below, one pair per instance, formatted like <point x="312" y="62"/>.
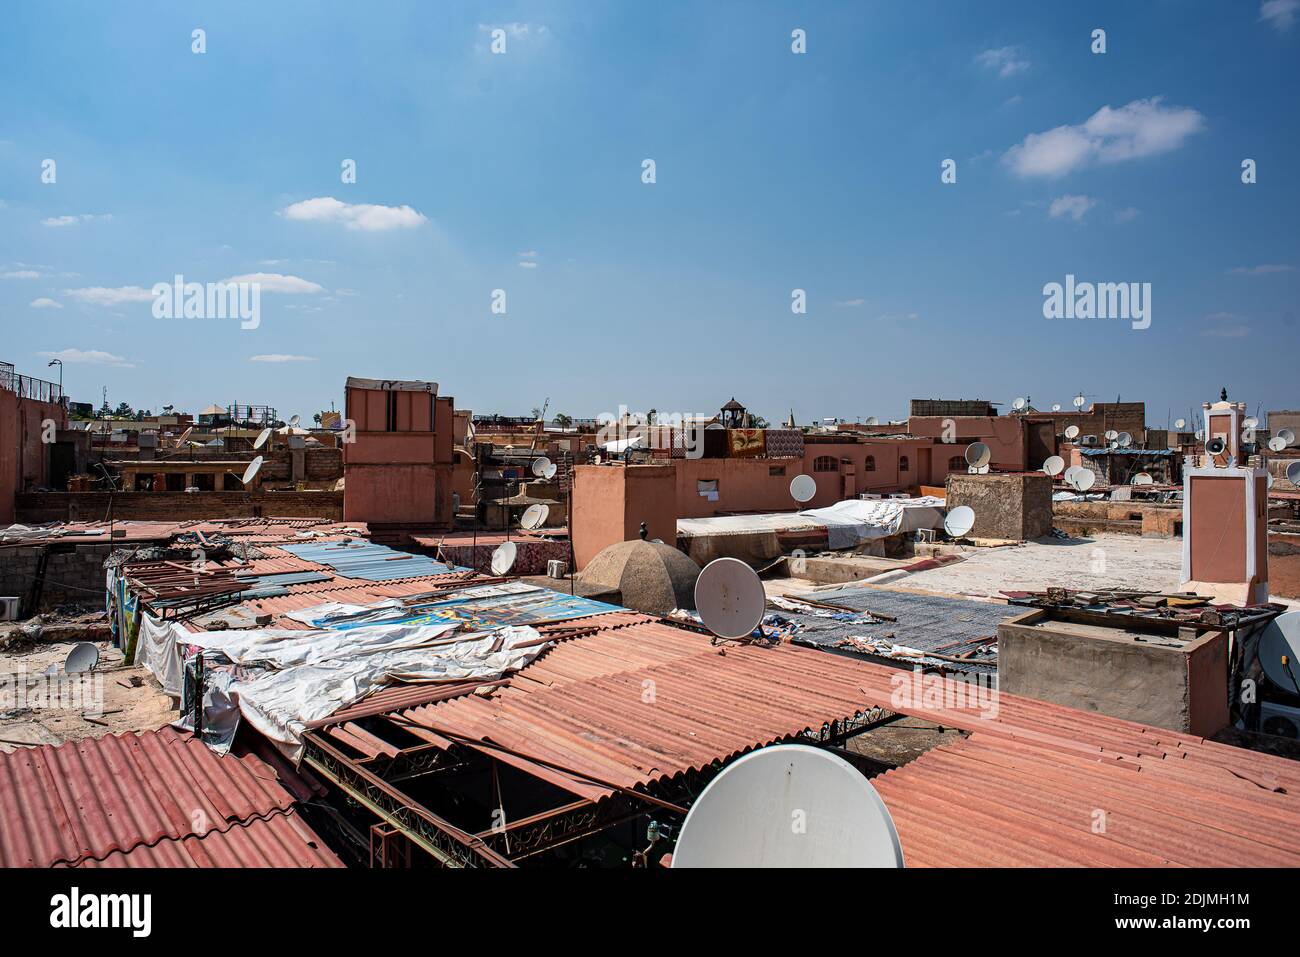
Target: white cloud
<point x="1076" y="207"/>
<point x="21" y="274"/>
<point x="515" y="29"/>
<point x="275" y="282"/>
<point x="1262" y="270"/>
<point x="87" y="356"/>
<point x="527" y="264"/>
<point x="73" y="220"/>
<point x="850" y="303"/>
<point x="363" y="216"/>
<point x="103" y="296"/>
<point x="45" y="303"/>
<point x="1280" y="13"/>
<point x="281" y="357"/>
<point x="1225" y="325"/>
<point x="1007" y="61"/>
<point x="1141" y="128"/>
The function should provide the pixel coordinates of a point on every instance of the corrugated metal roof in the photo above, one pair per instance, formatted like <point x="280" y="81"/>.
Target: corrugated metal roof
<point x="369" y="561"/>
<point x="282" y="839"/>
<point x="87" y="799"/>
<point x="1022" y="789"/>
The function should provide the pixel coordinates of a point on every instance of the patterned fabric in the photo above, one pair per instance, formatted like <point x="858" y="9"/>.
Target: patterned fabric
<point x="784" y="443"/>
<point x="746" y="443"/>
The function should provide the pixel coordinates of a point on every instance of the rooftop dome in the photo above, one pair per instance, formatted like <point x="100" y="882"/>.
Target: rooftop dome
<point x="650" y="576"/>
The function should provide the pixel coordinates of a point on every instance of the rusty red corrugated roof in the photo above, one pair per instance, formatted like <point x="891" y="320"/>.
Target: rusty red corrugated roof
<point x="88" y="799"/>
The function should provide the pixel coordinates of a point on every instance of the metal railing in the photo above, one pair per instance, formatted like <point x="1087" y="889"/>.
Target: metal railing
<point x="29" y="387"/>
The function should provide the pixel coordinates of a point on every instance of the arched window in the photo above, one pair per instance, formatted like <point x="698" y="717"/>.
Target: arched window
<point x="871" y="463"/>
<point x="956" y="464"/>
<point x="903" y="464"/>
<point x="826" y="463"/>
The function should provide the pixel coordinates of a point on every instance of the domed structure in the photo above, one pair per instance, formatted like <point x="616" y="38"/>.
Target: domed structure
<point x="649" y="576"/>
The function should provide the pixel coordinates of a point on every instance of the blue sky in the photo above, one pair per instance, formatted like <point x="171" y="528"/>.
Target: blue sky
<point x="522" y="171"/>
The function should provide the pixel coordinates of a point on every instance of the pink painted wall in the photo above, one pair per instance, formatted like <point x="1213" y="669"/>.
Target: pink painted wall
<point x="1003" y="434"/>
<point x="23" y="459"/>
<point x="611" y="501"/>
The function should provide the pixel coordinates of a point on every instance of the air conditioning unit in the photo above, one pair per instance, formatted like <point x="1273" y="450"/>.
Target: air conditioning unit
<point x="869" y="496"/>
<point x="1282" y="720"/>
<point x="1089" y="440"/>
<point x="899" y="495"/>
<point x="8" y="608"/>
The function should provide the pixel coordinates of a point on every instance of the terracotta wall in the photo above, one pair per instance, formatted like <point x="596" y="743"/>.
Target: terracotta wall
<point x="176" y="506"/>
<point x="611" y="501"/>
<point x="23" y="459"/>
<point x="1003" y="434"/>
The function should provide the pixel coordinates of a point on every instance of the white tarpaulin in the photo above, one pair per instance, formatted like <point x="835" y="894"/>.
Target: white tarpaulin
<point x="157" y="650"/>
<point x="855" y="520"/>
<point x="848" y="523"/>
<point x="302" y="676"/>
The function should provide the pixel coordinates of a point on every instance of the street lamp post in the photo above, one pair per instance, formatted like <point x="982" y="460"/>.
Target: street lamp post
<point x="59" y="363"/>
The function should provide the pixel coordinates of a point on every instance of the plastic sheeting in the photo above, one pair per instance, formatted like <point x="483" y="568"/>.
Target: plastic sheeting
<point x="855" y="520"/>
<point x="158" y="650"/>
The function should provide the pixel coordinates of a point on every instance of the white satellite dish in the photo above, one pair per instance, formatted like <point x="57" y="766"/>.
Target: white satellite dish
<point x="872" y="420"/>
<point x="1111" y="435"/>
<point x="1199" y="435"/>
<point x="540" y="465"/>
<point x="1250" y="422"/>
<point x="1293" y="473"/>
<point x="1056" y="407"/>
<point x="1113" y="444"/>
<point x="803" y="488"/>
<point x="249" y="472"/>
<point x="1054" y="465"/>
<point x="1268" y="479"/>
<point x="535" y="516"/>
<point x="83" y="657"/>
<point x="1287" y="437"/>
<point x="982" y="470"/>
<point x="1079" y="401"/>
<point x="1180" y="424"/>
<point x="1083" y="480"/>
<point x="503" y="558"/>
<point x="1143" y="478"/>
<point x="1124" y="440"/>
<point x="1018" y="403"/>
<point x="742" y="819"/>
<point x="729" y="597"/>
<point x="1071" y="431"/>
<point x="959" y="521"/>
<point x="1282" y="637"/>
<point x="184" y="435"/>
<point x="1070" y="473"/>
<point x="978" y="454"/>
<point x="1275" y="444"/>
<point x="261" y="438"/>
<point x="549" y="471"/>
<point x="294" y="420"/>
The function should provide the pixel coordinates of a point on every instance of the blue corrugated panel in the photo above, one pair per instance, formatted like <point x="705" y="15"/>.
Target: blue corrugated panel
<point x="369" y="561"/>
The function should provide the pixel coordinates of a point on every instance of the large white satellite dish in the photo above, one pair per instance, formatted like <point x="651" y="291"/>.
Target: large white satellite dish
<point x="1018" y="403"/>
<point x="745" y="817"/>
<point x="1124" y="440"/>
<point x="1293" y="473"/>
<point x="1079" y="401"/>
<point x="1275" y="444"/>
<point x="1282" y="637"/>
<point x="540" y="465"/>
<point x="294" y="420"/>
<point x="535" y="516"/>
<point x="1250" y="422"/>
<point x="1070" y="473"/>
<point x="959" y="521"/>
<point x="1143" y="478"/>
<point x="249" y="472"/>
<point x="1111" y="435"/>
<point x="550" y="470"/>
<point x="83" y="657"/>
<point x="978" y="454"/>
<point x="1180" y="424"/>
<point x="1054" y="465"/>
<point x="261" y="438"/>
<point x="1287" y="437"/>
<point x="803" y="488"/>
<point x="1083" y="480"/>
<point x="729" y="597"/>
<point x="503" y="558"/>
<point x="184" y="435"/>
<point x="872" y="420"/>
<point x="1071" y="431"/>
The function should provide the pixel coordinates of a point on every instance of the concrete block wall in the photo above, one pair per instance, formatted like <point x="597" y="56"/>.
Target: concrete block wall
<point x="1014" y="506"/>
<point x="73" y="574"/>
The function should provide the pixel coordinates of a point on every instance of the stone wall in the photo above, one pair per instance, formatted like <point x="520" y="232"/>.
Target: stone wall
<point x="33" y="507"/>
<point x="74" y="574"/>
<point x="1015" y="506"/>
